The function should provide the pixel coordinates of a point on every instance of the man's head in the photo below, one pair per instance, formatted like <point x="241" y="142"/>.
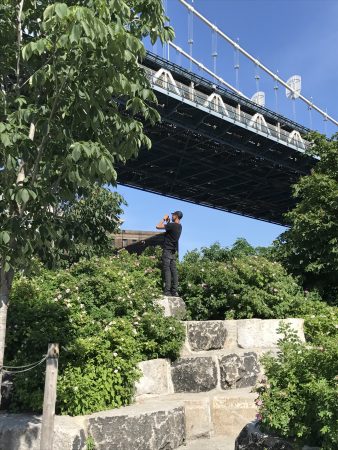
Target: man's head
<point x="176" y="216"/>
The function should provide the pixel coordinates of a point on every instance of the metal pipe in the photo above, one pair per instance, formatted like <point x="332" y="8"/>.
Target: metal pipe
<point x="254" y="60"/>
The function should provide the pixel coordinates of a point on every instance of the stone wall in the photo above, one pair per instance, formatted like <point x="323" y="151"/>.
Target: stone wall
<point x="197" y="395"/>
<point x="138" y="427"/>
<point x="220" y="354"/>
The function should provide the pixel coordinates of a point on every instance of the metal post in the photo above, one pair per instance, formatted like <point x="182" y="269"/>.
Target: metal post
<point x="49" y="399"/>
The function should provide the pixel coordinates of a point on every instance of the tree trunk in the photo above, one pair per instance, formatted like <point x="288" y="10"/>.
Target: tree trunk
<point x="5" y="287"/>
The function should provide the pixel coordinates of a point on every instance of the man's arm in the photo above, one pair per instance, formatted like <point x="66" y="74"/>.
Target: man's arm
<point x="162" y="224"/>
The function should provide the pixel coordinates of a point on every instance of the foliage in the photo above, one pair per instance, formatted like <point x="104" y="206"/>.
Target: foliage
<point x="69" y="72"/>
<point x="309" y="249"/>
<point x="300" y="399"/>
<point x="102" y="313"/>
<point x="73" y="102"/>
<point x="88" y="223"/>
<point x="236" y="284"/>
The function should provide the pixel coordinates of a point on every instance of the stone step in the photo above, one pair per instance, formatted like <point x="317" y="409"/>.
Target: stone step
<point x="201" y="372"/>
<point x="217" y="443"/>
<point x="223" y="371"/>
<point x="152" y="426"/>
<point x="213" y="414"/>
<point x="214" y="335"/>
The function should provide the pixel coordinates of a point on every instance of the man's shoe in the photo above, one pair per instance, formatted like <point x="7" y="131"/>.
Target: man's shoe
<point x="167" y="293"/>
<point x="174" y="294"/>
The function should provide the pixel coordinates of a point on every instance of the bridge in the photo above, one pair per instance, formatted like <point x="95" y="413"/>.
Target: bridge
<point x="217" y="148"/>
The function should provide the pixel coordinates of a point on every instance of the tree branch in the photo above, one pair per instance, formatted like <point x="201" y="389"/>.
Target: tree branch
<point x="19" y="39"/>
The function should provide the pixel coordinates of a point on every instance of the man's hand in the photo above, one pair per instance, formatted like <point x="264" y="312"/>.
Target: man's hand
<point x="161" y="226"/>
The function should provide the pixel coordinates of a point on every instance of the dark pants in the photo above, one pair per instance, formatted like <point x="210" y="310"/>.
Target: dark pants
<point x="170" y="271"/>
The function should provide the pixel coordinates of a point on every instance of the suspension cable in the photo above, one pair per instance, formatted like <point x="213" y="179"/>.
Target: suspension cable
<point x="202" y="67"/>
<point x="253" y="59"/>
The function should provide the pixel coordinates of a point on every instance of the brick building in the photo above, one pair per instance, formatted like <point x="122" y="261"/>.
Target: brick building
<point x="135" y="241"/>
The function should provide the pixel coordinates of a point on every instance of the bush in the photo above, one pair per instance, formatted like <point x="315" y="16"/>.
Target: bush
<point x="102" y="313"/>
<point x="241" y="283"/>
<point x="300" y="400"/>
<point x="241" y="288"/>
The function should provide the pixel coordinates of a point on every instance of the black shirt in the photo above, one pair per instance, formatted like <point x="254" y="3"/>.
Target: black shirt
<point x="171" y="236"/>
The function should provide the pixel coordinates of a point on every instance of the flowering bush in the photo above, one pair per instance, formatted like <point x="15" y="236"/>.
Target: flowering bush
<point x="240" y="288"/>
<point x="299" y="400"/>
<point x="102" y="313"/>
<point x="241" y="283"/>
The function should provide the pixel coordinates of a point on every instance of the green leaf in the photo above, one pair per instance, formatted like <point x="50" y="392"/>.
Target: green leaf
<point x="5" y="237"/>
<point x="25" y="195"/>
<point x="27" y="51"/>
<point x="103" y="165"/>
<point x="75" y="33"/>
<point x="61" y="10"/>
<point x="40" y="46"/>
<point x="76" y="153"/>
<point x="48" y="12"/>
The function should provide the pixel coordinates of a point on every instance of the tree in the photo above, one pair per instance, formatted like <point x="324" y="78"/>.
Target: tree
<point x="69" y="72"/>
<point x="88" y="224"/>
<point x="309" y="248"/>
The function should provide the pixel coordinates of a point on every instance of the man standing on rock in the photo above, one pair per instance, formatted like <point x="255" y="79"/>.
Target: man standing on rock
<point x="172" y="234"/>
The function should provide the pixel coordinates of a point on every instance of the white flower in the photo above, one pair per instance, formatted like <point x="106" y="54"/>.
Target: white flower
<point x="115" y="354"/>
<point x="134" y="331"/>
<point x="171" y="328"/>
<point x="67" y="291"/>
<point x="55" y="299"/>
<point x="115" y="371"/>
<point x="59" y="297"/>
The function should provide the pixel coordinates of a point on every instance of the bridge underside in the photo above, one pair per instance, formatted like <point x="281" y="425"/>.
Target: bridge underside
<point x="200" y="158"/>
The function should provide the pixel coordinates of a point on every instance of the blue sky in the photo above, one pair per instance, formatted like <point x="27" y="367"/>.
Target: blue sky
<point x="291" y="36"/>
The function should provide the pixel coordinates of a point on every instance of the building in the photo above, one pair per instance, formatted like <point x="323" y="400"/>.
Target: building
<point x="135" y="241"/>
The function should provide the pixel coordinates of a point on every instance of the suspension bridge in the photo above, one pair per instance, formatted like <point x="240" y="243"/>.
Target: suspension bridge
<point x="215" y="146"/>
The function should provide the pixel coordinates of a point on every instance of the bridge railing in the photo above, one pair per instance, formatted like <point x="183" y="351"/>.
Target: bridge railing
<point x="215" y="103"/>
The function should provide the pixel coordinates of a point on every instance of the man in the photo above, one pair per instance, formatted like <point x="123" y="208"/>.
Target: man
<point x="172" y="234"/>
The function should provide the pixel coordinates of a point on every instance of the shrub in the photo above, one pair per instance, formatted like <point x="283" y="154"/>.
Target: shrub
<point x="102" y="313"/>
<point x="243" y="287"/>
<point x="300" y="400"/>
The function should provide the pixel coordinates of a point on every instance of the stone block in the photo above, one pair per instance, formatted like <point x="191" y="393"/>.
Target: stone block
<point x="22" y="432"/>
<point x="140" y="427"/>
<point x="209" y="335"/>
<point x="231" y="330"/>
<point x="172" y="307"/>
<point x="197" y="418"/>
<point x="258" y="333"/>
<point x="243" y="410"/>
<point x="194" y="374"/>
<point x="156" y="378"/>
<point x="238" y="371"/>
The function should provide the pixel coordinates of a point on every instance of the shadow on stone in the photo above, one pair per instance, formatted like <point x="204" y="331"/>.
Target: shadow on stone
<point x="252" y="438"/>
